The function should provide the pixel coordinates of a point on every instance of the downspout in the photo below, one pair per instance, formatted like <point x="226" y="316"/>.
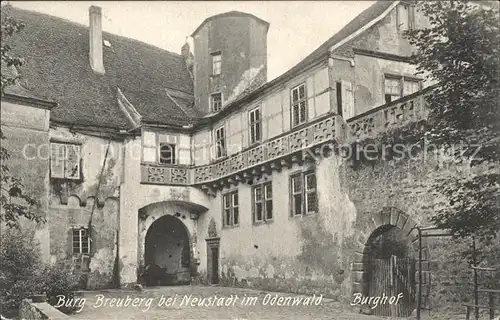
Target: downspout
<point x="95" y="202"/>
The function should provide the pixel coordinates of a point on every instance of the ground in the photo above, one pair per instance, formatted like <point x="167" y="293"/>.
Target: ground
<point x="93" y="308"/>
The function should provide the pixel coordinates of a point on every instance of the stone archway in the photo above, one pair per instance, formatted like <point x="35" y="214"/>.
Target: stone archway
<point x="167" y="254"/>
<point x="387" y="219"/>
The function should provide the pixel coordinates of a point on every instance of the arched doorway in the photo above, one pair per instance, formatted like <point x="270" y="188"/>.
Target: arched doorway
<point x="390" y="235"/>
<point x="167" y="253"/>
<point x="391" y="272"/>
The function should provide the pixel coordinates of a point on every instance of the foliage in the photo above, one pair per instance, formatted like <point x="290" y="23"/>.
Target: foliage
<point x="10" y="26"/>
<point x="14" y="201"/>
<point x="460" y="50"/>
<point x="22" y="272"/>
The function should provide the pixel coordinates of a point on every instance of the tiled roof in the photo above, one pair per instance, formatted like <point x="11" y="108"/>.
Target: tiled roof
<point x="57" y="68"/>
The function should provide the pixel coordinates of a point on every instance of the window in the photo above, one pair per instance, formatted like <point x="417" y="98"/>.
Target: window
<point x="304" y="194"/>
<point x="406" y="17"/>
<point x="167" y="153"/>
<point x="216" y="63"/>
<point x="65" y="161"/>
<point x="397" y="87"/>
<point x="231" y="209"/>
<point x="263" y="202"/>
<point x="160" y="148"/>
<point x="220" y="143"/>
<point x="345" y="99"/>
<point x="216" y="101"/>
<point x="299" y="107"/>
<point x="81" y="241"/>
<point x="255" y="125"/>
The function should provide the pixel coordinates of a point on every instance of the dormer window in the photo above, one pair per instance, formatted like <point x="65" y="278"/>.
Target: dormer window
<point x="216" y="63"/>
<point x="216" y="101"/>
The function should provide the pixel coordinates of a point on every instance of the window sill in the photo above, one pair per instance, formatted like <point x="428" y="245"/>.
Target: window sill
<point x="299" y="126"/>
<point x="263" y="222"/>
<point x="231" y="227"/>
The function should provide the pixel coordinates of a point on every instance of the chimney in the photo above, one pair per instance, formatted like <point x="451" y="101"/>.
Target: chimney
<point x="188" y="57"/>
<point x="95" y="40"/>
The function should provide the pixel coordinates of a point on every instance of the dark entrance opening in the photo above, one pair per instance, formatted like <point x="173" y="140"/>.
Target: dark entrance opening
<point x="392" y="272"/>
<point x="213" y="260"/>
<point x="167" y="253"/>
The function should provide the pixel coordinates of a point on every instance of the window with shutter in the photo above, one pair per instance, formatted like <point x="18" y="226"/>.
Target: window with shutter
<point x="64" y="161"/>
<point x="347" y="99"/>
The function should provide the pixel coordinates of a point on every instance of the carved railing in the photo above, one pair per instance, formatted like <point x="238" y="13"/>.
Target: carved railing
<point x="314" y="134"/>
<point x="412" y="108"/>
<point x="166" y="174"/>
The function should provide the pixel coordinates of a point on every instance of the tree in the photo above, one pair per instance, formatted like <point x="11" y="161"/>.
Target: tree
<point x="13" y="201"/>
<point x="460" y="49"/>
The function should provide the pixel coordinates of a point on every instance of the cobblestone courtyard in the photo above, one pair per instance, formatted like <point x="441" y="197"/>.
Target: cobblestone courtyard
<point x="94" y="307"/>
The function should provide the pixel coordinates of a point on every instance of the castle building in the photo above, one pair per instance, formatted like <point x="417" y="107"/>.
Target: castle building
<point x="195" y="163"/>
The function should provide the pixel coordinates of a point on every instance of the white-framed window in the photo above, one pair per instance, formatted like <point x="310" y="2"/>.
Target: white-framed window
<point x="160" y="148"/>
<point x="220" y="142"/>
<point x="216" y="101"/>
<point x="304" y="194"/>
<point x="406" y="17"/>
<point x="298" y="104"/>
<point x="81" y="241"/>
<point x="396" y="87"/>
<point x="255" y="125"/>
<point x="263" y="202"/>
<point x="64" y="161"/>
<point x="216" y="63"/>
<point x="231" y="210"/>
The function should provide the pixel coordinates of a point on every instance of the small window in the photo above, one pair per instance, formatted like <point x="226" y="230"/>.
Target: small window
<point x="167" y="153"/>
<point x="65" y="161"/>
<point x="216" y="63"/>
<point x="263" y="202"/>
<point x="216" y="101"/>
<point x="406" y="17"/>
<point x="255" y="125"/>
<point x="81" y="241"/>
<point x="299" y="105"/>
<point x="392" y="89"/>
<point x="397" y="87"/>
<point x="220" y="143"/>
<point x="231" y="209"/>
<point x="304" y="194"/>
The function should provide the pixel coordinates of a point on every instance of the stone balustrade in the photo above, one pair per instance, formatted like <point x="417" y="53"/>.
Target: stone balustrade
<point x="273" y="150"/>
<point x="282" y="150"/>
<point x="411" y="108"/>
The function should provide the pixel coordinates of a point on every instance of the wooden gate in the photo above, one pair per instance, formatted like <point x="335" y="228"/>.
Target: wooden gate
<point x="390" y="278"/>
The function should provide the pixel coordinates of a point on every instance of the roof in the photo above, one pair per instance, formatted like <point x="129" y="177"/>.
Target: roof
<point x="229" y="14"/>
<point x="361" y="20"/>
<point x="57" y="68"/>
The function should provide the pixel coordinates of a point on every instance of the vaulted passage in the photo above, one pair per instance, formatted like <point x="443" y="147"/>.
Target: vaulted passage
<point x="167" y="253"/>
<point x="392" y="271"/>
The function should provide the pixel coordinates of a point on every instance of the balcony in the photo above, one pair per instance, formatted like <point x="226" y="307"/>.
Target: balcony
<point x="412" y="108"/>
<point x="270" y="155"/>
<point x="286" y="149"/>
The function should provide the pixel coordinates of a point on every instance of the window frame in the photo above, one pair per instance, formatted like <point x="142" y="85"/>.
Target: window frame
<point x="410" y="11"/>
<point x="230" y="195"/>
<point x="223" y="153"/>
<point x="173" y="152"/>
<point x="157" y="146"/>
<point x="80" y="241"/>
<point x="298" y="103"/>
<point x="212" y="101"/>
<point x="402" y="79"/>
<point x="303" y="193"/>
<point x="64" y="160"/>
<point x="263" y="187"/>
<point x="216" y="63"/>
<point x="255" y="124"/>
